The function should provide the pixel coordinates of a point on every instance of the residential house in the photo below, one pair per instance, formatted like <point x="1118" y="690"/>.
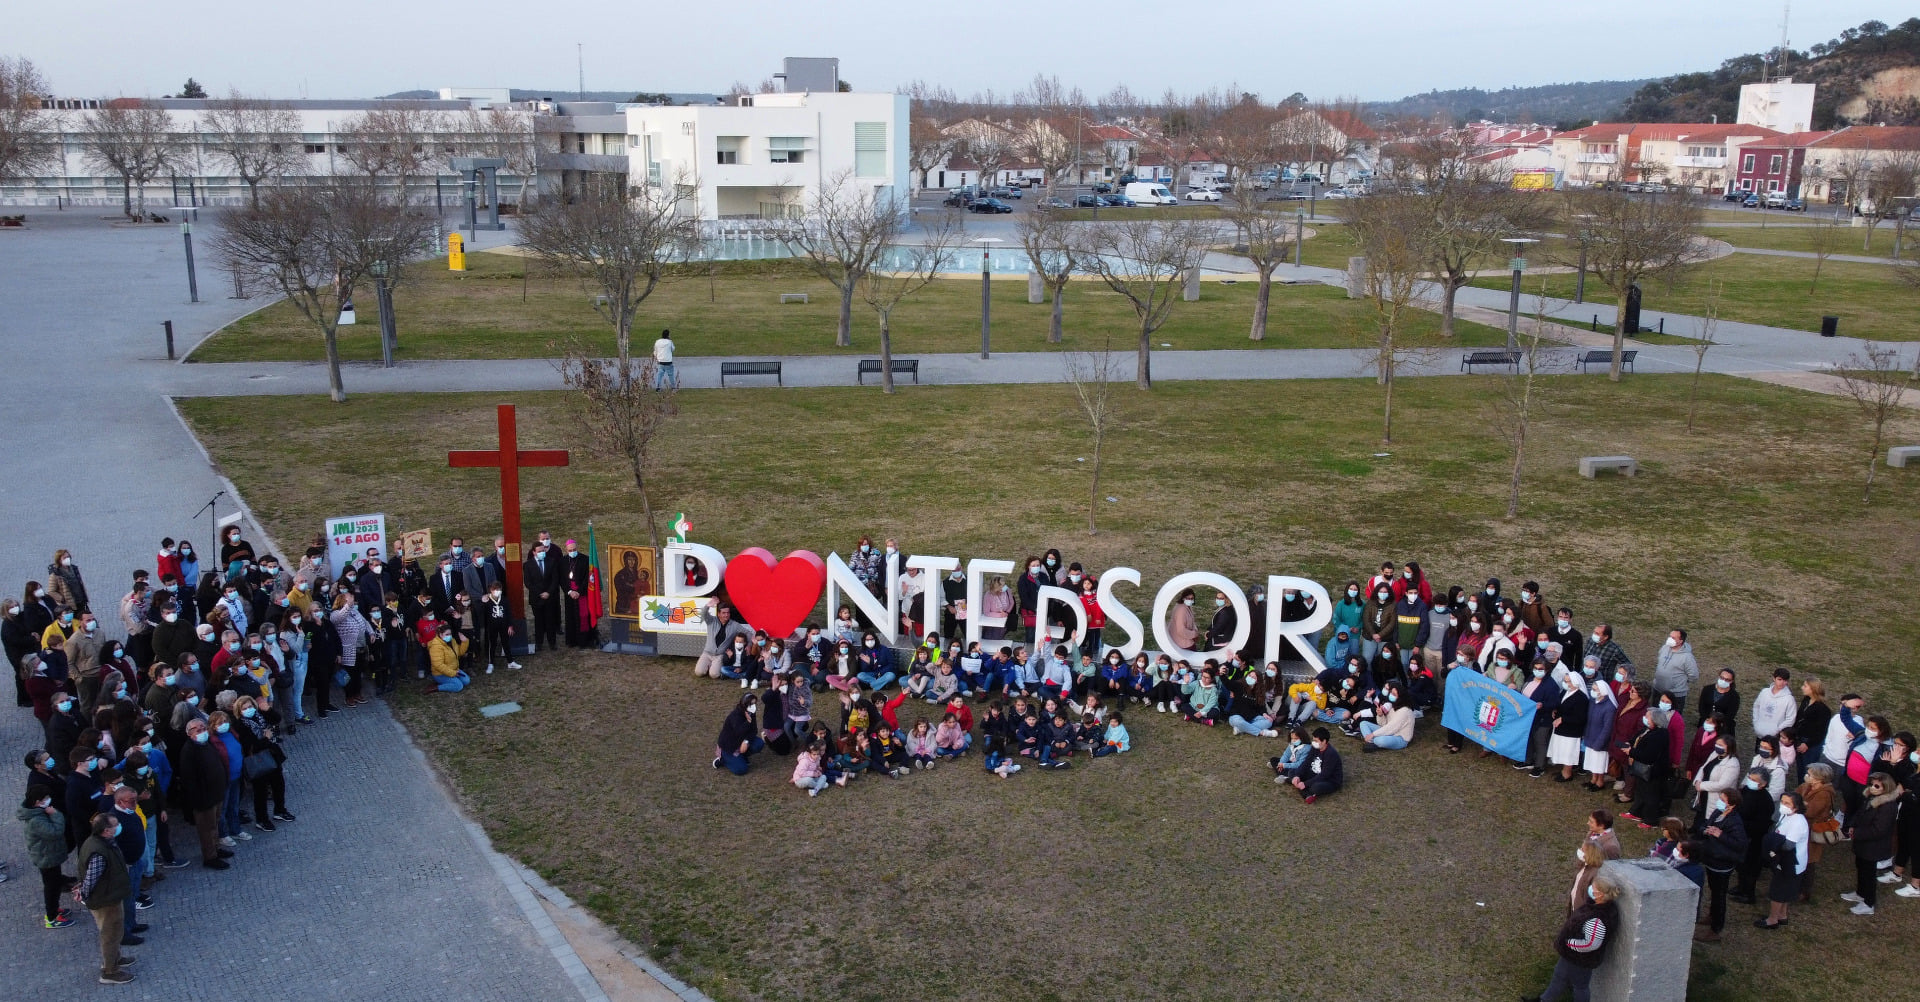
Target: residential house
<point x="1774" y="165"/>
<point x="1840" y="165"/>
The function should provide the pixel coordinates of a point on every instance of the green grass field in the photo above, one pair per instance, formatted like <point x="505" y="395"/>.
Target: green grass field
<point x="1177" y="871"/>
<point x="1801" y="236"/>
<point x="481" y="314"/>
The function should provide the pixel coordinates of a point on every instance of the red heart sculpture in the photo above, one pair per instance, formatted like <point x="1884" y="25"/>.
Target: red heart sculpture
<point x="776" y="597"/>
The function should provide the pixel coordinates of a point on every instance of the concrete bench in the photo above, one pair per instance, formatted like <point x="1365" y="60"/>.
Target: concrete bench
<point x="1590" y="466"/>
<point x="1604" y="356"/>
<point x="751" y="369"/>
<point x="900" y="365"/>
<point x="1511" y="359"/>
<point x="1900" y="454"/>
<point x="792" y="297"/>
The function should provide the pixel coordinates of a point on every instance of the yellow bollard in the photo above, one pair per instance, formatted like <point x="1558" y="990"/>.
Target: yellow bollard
<point x="456" y="252"/>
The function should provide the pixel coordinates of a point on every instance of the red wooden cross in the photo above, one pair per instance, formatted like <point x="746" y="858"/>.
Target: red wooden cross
<point x="509" y="457"/>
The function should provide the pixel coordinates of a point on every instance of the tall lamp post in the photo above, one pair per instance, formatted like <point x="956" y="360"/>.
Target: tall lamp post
<point x="1580" y="278"/>
<point x="186" y="234"/>
<point x="1518" y="264"/>
<point x="389" y="337"/>
<point x="986" y="295"/>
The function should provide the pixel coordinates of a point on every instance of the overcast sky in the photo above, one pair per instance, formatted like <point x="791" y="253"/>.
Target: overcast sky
<point x="1378" y="50"/>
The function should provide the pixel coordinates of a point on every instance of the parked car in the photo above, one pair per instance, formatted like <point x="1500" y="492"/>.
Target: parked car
<point x="988" y="205"/>
<point x="1150" y="193"/>
<point x="1103" y="188"/>
<point x="958" y="199"/>
<point x="1653" y="186"/>
<point x="1056" y="202"/>
<point x="1005" y="193"/>
<point x="1752" y="201"/>
<point x="1795" y="205"/>
<point x="1734" y="195"/>
<point x="1119" y="201"/>
<point x="1202" y="195"/>
<point x="1088" y="201"/>
<point x="1336" y="193"/>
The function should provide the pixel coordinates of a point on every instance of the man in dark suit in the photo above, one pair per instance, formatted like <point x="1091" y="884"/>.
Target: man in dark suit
<point x="573" y="584"/>
<point x="542" y="574"/>
<point x="479" y="575"/>
<point x="443" y="584"/>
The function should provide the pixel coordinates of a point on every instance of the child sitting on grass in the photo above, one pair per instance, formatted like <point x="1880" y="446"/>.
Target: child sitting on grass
<point x="1061" y="736"/>
<point x="920" y="746"/>
<point x="855" y="754"/>
<point x="997" y="760"/>
<point x="1030" y="737"/>
<point x="808" y="773"/>
<point x="887" y="753"/>
<point x="1115" y="740"/>
<point x="949" y="741"/>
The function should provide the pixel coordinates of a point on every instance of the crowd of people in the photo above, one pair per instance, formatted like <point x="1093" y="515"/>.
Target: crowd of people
<point x="1766" y="785"/>
<point x="175" y="705"/>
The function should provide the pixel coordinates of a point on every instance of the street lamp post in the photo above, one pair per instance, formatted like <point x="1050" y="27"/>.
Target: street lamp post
<point x="1519" y="264"/>
<point x="186" y="234"/>
<point x="1299" y="236"/>
<point x="986" y="296"/>
<point x="1580" y="278"/>
<point x="389" y="337"/>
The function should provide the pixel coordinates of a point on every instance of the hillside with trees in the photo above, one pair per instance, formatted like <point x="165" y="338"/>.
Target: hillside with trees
<point x="1568" y="103"/>
<point x="1844" y="70"/>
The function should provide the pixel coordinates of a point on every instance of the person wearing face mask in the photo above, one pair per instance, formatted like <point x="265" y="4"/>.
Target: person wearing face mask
<point x="1029" y="586"/>
<point x="47" y="850"/>
<point x="722" y="629"/>
<point x="65" y="586"/>
<point x="1788" y="859"/>
<point x="1182" y="627"/>
<point x="1701" y="747"/>
<point x="443" y="658"/>
<point x="1756" y="812"/>
<point x="496" y="627"/>
<point x="1817" y="801"/>
<point x="1088" y="588"/>
<point x="82" y="788"/>
<point x="1766" y="759"/>
<point x="64" y="725"/>
<point x="1546" y="695"/>
<point x="1321" y="774"/>
<point x="1720" y="773"/>
<point x="1861" y="759"/>
<point x="18" y="641"/>
<point x="1871" y="827"/>
<point x="353" y="630"/>
<point x="83" y="650"/>
<point x="1225" y="620"/>
<point x="173" y="636"/>
<point x="1394" y="727"/>
<point x="1596" y="742"/>
<point x="1569" y="727"/>
<point x="575" y="580"/>
<point x="1721" y="699"/>
<point x="106" y="889"/>
<point x="202" y="786"/>
<point x="1378" y="624"/>
<point x="876" y="664"/>
<point x="741" y="660"/>
<point x="739" y="736"/>
<point x="1347" y="610"/>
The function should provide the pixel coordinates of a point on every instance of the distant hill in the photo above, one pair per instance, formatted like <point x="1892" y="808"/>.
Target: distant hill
<point x="1870" y="74"/>
<point x="569" y="94"/>
<point x="1568" y="103"/>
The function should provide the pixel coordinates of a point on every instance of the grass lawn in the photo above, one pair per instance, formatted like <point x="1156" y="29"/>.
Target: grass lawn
<point x="442" y="314"/>
<point x="1847" y="240"/>
<point x="1177" y="871"/>
<point x="1870" y="300"/>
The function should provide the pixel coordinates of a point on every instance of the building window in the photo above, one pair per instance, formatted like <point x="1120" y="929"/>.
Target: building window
<point x="786" y="149"/>
<point x="727" y="149"/>
<point x="316" y="147"/>
<point x="727" y="156"/>
<point x="686" y="128"/>
<point x="870" y="149"/>
<point x="1773" y="164"/>
<point x="1773" y="186"/>
<point x="1746" y="163"/>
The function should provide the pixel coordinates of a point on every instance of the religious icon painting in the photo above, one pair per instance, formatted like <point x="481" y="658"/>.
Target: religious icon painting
<point x="636" y="573"/>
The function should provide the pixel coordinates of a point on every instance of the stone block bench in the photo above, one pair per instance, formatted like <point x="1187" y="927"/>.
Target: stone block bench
<point x="1591" y="466"/>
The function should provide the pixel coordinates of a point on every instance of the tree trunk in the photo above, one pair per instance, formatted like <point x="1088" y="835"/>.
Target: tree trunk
<point x="126" y="196"/>
<point x="1619" y="330"/>
<point x="843" y="335"/>
<point x="140" y="200"/>
<point x="335" y="388"/>
<point x="1873" y="459"/>
<point x="1693" y="389"/>
<point x="1386" y="418"/>
<point x="646" y="504"/>
<point x="623" y="341"/>
<point x="1260" y="299"/>
<point x="1448" y="290"/>
<point x="253" y="192"/>
<point x="1818" y="260"/>
<point x="1143" y="372"/>
<point x="1053" y="326"/>
<point x="886" y="354"/>
<point x="1093" y="502"/>
<point x="1520" y="447"/>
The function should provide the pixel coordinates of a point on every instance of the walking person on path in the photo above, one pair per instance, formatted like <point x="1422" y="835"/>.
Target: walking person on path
<point x="663" y="362"/>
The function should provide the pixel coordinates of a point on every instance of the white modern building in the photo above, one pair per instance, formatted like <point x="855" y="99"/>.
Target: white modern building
<point x="767" y="155"/>
<point x="1780" y="105"/>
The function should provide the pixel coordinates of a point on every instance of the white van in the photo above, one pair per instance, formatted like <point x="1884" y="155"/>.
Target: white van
<point x="1149" y="193"/>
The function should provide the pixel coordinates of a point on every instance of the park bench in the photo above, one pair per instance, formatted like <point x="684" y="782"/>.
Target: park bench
<point x="1604" y="356"/>
<point x="751" y="369"/>
<point x="792" y="297"/>
<point x="1900" y="454"/>
<point x="1590" y="466"/>
<point x="910" y="366"/>
<point x="20" y="220"/>
<point x="1506" y="358"/>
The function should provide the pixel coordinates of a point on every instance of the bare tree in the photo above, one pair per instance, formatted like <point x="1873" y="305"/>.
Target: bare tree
<point x="504" y="134"/>
<point x="313" y="243"/>
<point x="1470" y="207"/>
<point x="259" y="138"/>
<point x="1709" y="322"/>
<point x="1631" y="239"/>
<point x="1146" y="262"/>
<point x="394" y="142"/>
<point x="1093" y="374"/>
<point x="1873" y="377"/>
<point x="133" y="139"/>
<point x="1184" y="134"/>
<point x="992" y="148"/>
<point x="1895" y="174"/>
<point x="1052" y="250"/>
<point x="842" y="235"/>
<point x="1268" y="237"/>
<point x="1515" y="406"/>
<point x="1823" y="238"/>
<point x="917" y="265"/>
<point x="29" y="143"/>
<point x="618" y="242"/>
<point x="927" y="146"/>
<point x="1389" y="231"/>
<point x="619" y="412"/>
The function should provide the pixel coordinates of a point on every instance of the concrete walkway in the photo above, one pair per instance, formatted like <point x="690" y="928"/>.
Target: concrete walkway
<point x="381" y="889"/>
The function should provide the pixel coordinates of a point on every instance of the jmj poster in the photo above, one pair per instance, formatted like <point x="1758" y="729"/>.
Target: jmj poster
<point x="660" y="614"/>
<point x="351" y="536"/>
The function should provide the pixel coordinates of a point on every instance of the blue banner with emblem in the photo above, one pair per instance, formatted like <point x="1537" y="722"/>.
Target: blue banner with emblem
<point x="1488" y="713"/>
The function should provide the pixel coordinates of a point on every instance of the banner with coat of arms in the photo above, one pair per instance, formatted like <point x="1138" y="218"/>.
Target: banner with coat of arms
<point x="1488" y="713"/>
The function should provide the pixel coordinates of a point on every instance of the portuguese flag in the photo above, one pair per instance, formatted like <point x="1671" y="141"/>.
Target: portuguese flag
<point x="591" y="602"/>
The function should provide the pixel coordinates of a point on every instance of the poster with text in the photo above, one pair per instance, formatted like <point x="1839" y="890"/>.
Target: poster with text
<point x="636" y="574"/>
<point x="349" y="537"/>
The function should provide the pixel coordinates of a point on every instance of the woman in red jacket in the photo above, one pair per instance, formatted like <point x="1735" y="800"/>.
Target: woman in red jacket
<point x="1096" y="619"/>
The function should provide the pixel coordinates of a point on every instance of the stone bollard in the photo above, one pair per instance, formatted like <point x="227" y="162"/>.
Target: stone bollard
<point x="1356" y="278"/>
<point x="1190" y="288"/>
<point x="1036" y="289"/>
<point x="1653" y="948"/>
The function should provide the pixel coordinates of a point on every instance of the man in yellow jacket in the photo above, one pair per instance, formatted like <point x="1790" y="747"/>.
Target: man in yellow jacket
<point x="443" y="656"/>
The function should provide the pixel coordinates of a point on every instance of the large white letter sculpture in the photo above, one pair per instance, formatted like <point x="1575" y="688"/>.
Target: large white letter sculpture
<point x="1050" y="594"/>
<point x="1243" y="614"/>
<point x="1299" y="631"/>
<point x="885" y="618"/>
<point x="977" y="570"/>
<point x="934" y="595"/>
<point x="674" y="570"/>
<point x="1118" y="614"/>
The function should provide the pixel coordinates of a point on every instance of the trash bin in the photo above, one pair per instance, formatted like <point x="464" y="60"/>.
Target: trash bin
<point x="1829" y="326"/>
